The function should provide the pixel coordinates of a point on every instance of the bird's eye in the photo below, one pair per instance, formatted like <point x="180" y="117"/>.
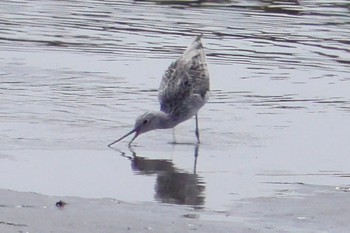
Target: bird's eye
<point x="145" y="122"/>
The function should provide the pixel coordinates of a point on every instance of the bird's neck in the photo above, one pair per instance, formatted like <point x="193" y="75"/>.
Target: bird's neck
<point x="165" y="121"/>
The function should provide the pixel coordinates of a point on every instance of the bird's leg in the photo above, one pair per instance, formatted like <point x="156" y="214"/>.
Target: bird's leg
<point x="195" y="158"/>
<point x="174" y="136"/>
<point x="197" y="130"/>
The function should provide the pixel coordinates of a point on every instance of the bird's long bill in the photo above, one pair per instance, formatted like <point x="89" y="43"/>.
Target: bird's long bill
<point x="132" y="131"/>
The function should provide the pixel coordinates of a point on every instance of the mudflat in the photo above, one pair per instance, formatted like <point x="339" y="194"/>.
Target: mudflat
<point x="309" y="209"/>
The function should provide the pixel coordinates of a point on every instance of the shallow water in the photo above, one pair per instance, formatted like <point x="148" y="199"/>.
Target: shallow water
<point x="75" y="75"/>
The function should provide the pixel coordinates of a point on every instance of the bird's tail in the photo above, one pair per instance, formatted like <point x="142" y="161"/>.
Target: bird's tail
<point x="195" y="49"/>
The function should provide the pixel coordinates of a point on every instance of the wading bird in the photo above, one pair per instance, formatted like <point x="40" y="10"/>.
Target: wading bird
<point x="184" y="89"/>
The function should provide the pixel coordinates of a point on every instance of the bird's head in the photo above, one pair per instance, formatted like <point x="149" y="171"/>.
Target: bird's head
<point x="144" y="123"/>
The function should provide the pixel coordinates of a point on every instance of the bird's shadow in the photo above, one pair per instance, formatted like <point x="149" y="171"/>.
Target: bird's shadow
<point x="173" y="185"/>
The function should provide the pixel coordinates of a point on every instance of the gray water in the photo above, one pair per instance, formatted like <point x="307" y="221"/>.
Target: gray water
<point x="75" y="74"/>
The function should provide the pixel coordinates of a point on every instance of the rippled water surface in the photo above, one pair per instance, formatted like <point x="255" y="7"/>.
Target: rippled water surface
<point x="75" y="74"/>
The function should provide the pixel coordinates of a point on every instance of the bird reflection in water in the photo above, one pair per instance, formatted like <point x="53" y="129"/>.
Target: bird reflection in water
<point x="173" y="185"/>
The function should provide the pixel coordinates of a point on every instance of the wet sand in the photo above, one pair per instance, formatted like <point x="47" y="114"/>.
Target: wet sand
<point x="309" y="209"/>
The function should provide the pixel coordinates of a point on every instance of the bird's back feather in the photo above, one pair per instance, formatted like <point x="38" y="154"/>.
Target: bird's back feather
<point x="184" y="87"/>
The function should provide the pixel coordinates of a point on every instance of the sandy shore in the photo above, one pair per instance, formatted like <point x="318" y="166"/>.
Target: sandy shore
<point x="30" y="212"/>
<point x="313" y="209"/>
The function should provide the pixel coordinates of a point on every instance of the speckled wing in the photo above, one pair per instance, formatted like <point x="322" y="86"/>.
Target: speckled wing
<point x="185" y="85"/>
